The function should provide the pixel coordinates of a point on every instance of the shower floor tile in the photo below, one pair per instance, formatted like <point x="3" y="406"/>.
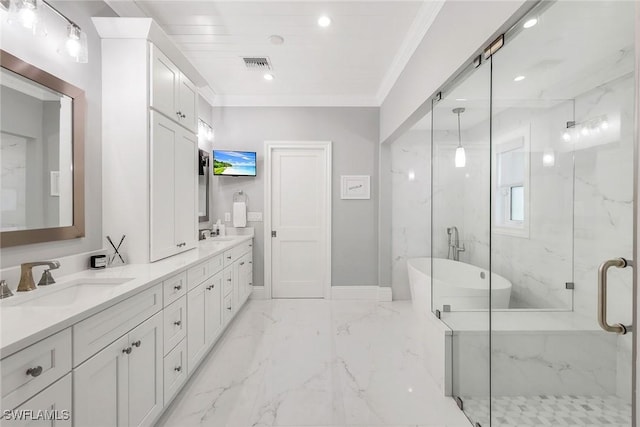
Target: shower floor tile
<point x="516" y="411"/>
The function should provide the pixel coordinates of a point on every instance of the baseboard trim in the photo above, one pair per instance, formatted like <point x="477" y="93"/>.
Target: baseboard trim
<point x="258" y="293"/>
<point x="371" y="293"/>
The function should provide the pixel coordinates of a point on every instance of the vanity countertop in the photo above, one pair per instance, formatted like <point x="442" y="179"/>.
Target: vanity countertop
<point x="23" y="324"/>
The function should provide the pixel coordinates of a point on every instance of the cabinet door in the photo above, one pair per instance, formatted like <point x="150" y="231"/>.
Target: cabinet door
<point x="213" y="302"/>
<point x="164" y="134"/>
<point x="101" y="394"/>
<point x="56" y="399"/>
<point x="165" y="81"/>
<point x="186" y="184"/>
<point x="188" y="102"/>
<point x="145" y="372"/>
<point x="196" y="331"/>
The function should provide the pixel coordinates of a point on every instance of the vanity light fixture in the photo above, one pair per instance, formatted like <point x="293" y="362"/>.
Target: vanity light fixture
<point x="324" y="21"/>
<point x="27" y="13"/>
<point x="530" y="22"/>
<point x="461" y="158"/>
<point x="205" y="131"/>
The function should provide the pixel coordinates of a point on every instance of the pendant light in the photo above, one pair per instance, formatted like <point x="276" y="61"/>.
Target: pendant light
<point x="76" y="44"/>
<point x="25" y="13"/>
<point x="461" y="158"/>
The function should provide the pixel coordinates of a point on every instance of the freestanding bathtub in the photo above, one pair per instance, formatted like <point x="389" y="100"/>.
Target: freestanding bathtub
<point x="456" y="284"/>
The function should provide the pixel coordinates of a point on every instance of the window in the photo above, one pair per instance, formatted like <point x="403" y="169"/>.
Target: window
<point x="511" y="184"/>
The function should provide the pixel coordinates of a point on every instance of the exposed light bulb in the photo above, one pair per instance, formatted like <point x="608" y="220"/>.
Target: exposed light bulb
<point x="73" y="46"/>
<point x="324" y="21"/>
<point x="530" y="23"/>
<point x="461" y="158"/>
<point x="566" y="136"/>
<point x="76" y="44"/>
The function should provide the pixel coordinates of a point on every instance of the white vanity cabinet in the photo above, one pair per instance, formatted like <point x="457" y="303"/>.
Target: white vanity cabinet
<point x="172" y="93"/>
<point x="149" y="150"/>
<point x="122" y="385"/>
<point x="55" y="399"/>
<point x="173" y="185"/>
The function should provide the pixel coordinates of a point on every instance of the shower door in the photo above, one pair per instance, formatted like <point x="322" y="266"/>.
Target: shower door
<point x="562" y="149"/>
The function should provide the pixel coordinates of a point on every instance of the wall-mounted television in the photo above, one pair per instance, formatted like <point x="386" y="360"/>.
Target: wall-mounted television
<point x="234" y="163"/>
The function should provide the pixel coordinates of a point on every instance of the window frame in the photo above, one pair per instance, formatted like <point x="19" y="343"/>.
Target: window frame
<point x="502" y="193"/>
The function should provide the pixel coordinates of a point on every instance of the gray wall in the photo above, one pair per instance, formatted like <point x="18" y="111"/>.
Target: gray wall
<point x="460" y="29"/>
<point x="354" y="132"/>
<point x="88" y="77"/>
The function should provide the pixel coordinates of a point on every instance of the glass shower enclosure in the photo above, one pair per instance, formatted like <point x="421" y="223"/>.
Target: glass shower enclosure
<point x="532" y="220"/>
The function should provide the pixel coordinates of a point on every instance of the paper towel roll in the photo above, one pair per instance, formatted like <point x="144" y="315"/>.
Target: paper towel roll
<point x="239" y="214"/>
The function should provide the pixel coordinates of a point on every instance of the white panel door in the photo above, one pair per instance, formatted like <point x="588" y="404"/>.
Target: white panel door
<point x="186" y="183"/>
<point x="188" y="104"/>
<point x="298" y="206"/>
<point x="196" y="329"/>
<point x="213" y="307"/>
<point x="145" y="372"/>
<point x="164" y="134"/>
<point x="165" y="81"/>
<point x="100" y="388"/>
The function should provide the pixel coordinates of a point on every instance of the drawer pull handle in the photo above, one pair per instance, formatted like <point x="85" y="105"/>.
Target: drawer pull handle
<point x="250" y="246"/>
<point x="177" y="322"/>
<point x="242" y="263"/>
<point x="179" y="113"/>
<point x="136" y="343"/>
<point x="177" y="287"/>
<point x="250" y="262"/>
<point x="228" y="280"/>
<point x="228" y="257"/>
<point x="210" y="287"/>
<point x="178" y="368"/>
<point x="229" y="308"/>
<point x="127" y="350"/>
<point x="35" y="372"/>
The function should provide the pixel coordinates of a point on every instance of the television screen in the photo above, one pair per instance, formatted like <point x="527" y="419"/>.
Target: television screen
<point x="234" y="163"/>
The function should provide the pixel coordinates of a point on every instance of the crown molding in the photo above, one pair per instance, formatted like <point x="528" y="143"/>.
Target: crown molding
<point x="418" y="29"/>
<point x="295" y="101"/>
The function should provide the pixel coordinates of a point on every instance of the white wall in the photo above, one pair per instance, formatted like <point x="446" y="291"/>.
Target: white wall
<point x="354" y="132"/>
<point x="410" y="205"/>
<point x="460" y="29"/>
<point x="42" y="54"/>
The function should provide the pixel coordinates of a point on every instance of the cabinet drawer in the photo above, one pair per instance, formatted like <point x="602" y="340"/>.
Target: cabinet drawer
<point x="216" y="264"/>
<point x="98" y="331"/>
<point x="228" y="257"/>
<point x="198" y="274"/>
<point x="227" y="280"/>
<point x="175" y="371"/>
<point x="56" y="397"/>
<point x="227" y="308"/>
<point x="175" y="323"/>
<point x="174" y="287"/>
<point x="28" y="371"/>
<point x="242" y="249"/>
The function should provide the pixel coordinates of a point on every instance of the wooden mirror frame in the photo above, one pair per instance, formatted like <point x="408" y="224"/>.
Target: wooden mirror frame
<point x="76" y="229"/>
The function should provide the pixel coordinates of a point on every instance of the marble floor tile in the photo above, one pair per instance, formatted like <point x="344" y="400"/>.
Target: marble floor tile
<point x="316" y="363"/>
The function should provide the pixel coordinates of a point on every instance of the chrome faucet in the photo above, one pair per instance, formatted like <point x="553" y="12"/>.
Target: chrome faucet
<point x="26" y="275"/>
<point x="454" y="244"/>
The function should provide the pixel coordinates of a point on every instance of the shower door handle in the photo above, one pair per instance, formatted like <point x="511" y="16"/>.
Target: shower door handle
<point x="618" y="328"/>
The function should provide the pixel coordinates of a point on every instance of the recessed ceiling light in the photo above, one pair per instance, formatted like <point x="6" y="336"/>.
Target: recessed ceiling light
<point x="268" y="77"/>
<point x="324" y="21"/>
<point x="276" y="39"/>
<point x="519" y="79"/>
<point x="530" y="23"/>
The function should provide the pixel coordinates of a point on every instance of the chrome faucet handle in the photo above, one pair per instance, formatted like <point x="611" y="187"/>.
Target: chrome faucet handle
<point x="47" y="278"/>
<point x="5" y="292"/>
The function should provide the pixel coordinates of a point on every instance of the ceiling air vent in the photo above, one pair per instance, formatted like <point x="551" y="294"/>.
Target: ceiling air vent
<point x="257" y="63"/>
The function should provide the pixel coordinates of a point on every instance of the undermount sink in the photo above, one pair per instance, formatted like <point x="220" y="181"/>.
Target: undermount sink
<point x="65" y="294"/>
<point x="220" y="239"/>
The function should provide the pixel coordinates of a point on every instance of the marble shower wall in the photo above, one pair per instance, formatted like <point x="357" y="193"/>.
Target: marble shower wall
<point x="410" y="205"/>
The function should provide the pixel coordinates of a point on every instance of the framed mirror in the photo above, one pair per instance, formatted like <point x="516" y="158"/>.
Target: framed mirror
<point x="42" y="158"/>
<point x="203" y="186"/>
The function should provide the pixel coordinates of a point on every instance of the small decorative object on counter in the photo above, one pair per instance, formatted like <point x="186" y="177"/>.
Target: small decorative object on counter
<point x="114" y="259"/>
<point x="98" y="261"/>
